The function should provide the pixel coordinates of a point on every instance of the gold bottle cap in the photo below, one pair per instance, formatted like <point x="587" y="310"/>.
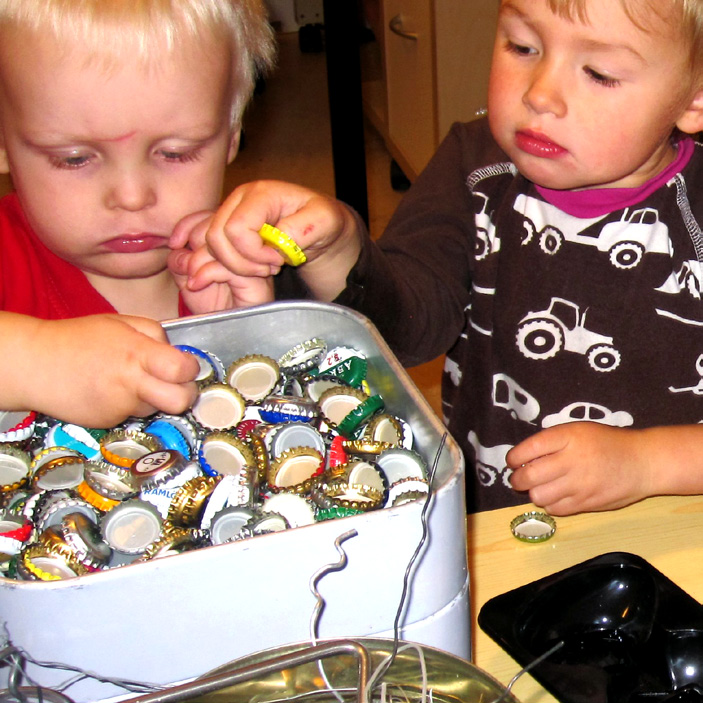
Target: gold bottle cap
<point x="218" y="407"/>
<point x="296" y="470"/>
<point x="57" y="473"/>
<point x="254" y="376"/>
<point x="355" y="496"/>
<point x="173" y="541"/>
<point x="385" y="428"/>
<point x="47" y="564"/>
<point x="336" y="403"/>
<point x="189" y="502"/>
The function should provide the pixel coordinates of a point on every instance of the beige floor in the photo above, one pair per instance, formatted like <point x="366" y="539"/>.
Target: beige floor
<point x="288" y="138"/>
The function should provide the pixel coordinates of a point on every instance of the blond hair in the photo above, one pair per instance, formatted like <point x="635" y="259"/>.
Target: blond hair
<point x="684" y="16"/>
<point x="115" y="29"/>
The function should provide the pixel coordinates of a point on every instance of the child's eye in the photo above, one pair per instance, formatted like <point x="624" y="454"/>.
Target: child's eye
<point x="70" y="162"/>
<point x="601" y="79"/>
<point x="180" y="157"/>
<point x="519" y="49"/>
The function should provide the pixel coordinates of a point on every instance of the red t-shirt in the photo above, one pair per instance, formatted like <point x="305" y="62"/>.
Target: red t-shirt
<point x="34" y="281"/>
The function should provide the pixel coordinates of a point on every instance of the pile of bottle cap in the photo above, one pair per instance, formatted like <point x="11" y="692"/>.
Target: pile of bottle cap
<point x="269" y="445"/>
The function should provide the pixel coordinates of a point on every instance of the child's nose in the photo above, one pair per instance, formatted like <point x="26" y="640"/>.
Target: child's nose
<point x="545" y="91"/>
<point x="130" y="190"/>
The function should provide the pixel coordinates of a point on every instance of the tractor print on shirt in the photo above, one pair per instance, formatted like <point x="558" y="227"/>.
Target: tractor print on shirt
<point x="486" y="240"/>
<point x="639" y="231"/>
<point x="562" y="327"/>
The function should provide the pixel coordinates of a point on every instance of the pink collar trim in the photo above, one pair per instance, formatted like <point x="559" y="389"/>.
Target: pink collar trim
<point x="597" y="202"/>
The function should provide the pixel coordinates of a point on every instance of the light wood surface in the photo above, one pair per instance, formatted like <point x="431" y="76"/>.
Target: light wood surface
<point x="666" y="531"/>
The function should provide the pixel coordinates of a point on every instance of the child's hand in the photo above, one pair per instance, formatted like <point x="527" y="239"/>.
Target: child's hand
<point x="324" y="228"/>
<point x="95" y="371"/>
<point x="581" y="467"/>
<point x="215" y="288"/>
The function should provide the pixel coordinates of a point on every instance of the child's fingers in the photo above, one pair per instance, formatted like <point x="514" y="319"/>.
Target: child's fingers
<point x="171" y="398"/>
<point x="190" y="231"/>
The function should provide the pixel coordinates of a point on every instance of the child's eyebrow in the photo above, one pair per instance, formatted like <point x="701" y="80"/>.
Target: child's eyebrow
<point x="599" y="46"/>
<point x="586" y="43"/>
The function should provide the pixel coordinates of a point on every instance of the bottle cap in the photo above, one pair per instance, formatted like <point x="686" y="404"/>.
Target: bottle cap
<point x="111" y="481"/>
<point x="222" y="453"/>
<point x="14" y="526"/>
<point x="74" y="437"/>
<point x="346" y="363"/>
<point x="157" y="467"/>
<point x="303" y="356"/>
<point x="60" y="472"/>
<point x="189" y="501"/>
<point x="218" y="407"/>
<point x="132" y="526"/>
<point x="16" y="426"/>
<point x="124" y="447"/>
<point x="227" y="523"/>
<point x="253" y="376"/>
<point x="359" y="415"/>
<point x="161" y="492"/>
<point x="57" y="504"/>
<point x="294" y="434"/>
<point x="286" y="408"/>
<point x="171" y="542"/>
<point x="389" y="429"/>
<point x="295" y="470"/>
<point x="297" y="511"/>
<point x="46" y="564"/>
<point x="406" y="490"/>
<point x="85" y="541"/>
<point x="397" y="464"/>
<point x="211" y="368"/>
<point x="14" y="468"/>
<point x="533" y="526"/>
<point x="355" y="496"/>
<point x="170" y="436"/>
<point x="336" y="403"/>
<point x="285" y="245"/>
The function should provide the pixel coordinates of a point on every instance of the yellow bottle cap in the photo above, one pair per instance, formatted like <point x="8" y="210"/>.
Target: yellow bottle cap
<point x="279" y="240"/>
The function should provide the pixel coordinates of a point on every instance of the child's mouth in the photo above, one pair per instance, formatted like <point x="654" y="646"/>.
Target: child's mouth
<point x="135" y="243"/>
<point x="538" y="145"/>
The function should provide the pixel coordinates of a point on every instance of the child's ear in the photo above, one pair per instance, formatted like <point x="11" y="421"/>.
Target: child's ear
<point x="691" y="120"/>
<point x="234" y="144"/>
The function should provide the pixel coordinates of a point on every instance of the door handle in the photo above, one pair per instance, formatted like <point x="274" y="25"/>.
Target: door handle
<point x="396" y="26"/>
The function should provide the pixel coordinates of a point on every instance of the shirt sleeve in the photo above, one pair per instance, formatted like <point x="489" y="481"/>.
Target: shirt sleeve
<point x="414" y="284"/>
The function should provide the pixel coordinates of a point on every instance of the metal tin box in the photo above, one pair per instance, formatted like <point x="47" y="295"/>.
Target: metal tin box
<point x="177" y="617"/>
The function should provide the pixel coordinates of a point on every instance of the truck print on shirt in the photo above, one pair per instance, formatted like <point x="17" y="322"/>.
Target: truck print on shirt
<point x="639" y="231"/>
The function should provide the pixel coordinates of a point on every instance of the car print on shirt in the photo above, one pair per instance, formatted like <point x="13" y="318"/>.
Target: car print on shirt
<point x="625" y="241"/>
<point x="589" y="412"/>
<point x="543" y="334"/>
<point x="510" y="395"/>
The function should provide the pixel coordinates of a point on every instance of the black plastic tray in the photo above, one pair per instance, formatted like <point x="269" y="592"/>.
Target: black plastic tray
<point x="629" y="633"/>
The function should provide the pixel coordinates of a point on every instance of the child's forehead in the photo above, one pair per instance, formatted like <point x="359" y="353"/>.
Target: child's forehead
<point x="649" y="16"/>
<point x="109" y="56"/>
